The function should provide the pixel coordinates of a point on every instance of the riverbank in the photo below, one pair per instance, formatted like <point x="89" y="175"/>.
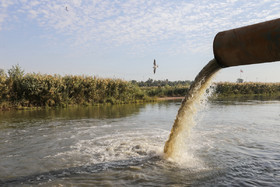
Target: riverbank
<point x="228" y="89"/>
<point x="34" y="90"/>
<point x="19" y="90"/>
<point x="170" y="98"/>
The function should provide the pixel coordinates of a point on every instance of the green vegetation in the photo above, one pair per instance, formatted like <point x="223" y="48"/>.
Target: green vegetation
<point x="226" y="89"/>
<point x="222" y="89"/>
<point x="165" y="91"/>
<point x="164" y="88"/>
<point x="19" y="90"/>
<point x="162" y="83"/>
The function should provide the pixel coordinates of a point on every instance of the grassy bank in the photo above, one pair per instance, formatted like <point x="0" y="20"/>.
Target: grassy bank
<point x="221" y="89"/>
<point x="166" y="91"/>
<point x="19" y="90"/>
<point x="226" y="89"/>
<point x="164" y="88"/>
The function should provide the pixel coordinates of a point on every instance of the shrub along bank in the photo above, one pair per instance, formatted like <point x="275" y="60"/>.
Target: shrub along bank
<point x="19" y="90"/>
<point x="227" y="89"/>
<point x="221" y="89"/>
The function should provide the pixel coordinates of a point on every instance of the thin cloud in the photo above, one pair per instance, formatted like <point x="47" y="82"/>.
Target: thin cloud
<point x="4" y="5"/>
<point x="142" y="24"/>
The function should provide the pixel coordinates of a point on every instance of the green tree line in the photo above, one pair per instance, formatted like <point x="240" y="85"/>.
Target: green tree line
<point x="166" y="91"/>
<point x="163" y="88"/>
<point x="156" y="83"/>
<point x="226" y="89"/>
<point x="18" y="89"/>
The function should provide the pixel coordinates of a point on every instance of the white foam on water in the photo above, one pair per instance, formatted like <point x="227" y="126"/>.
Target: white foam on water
<point x="127" y="145"/>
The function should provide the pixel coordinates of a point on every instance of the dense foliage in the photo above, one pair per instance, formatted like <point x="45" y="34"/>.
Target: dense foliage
<point x="166" y="91"/>
<point x="18" y="89"/>
<point x="248" y="88"/>
<point x="222" y="89"/>
<point x="161" y="83"/>
<point x="163" y="88"/>
<point x="24" y="90"/>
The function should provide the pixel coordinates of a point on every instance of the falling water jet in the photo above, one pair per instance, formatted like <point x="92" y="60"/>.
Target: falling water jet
<point x="251" y="44"/>
<point x="184" y="120"/>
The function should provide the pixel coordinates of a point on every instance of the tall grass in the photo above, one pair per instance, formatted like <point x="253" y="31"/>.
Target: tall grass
<point x="34" y="89"/>
<point x="166" y="91"/>
<point x="227" y="89"/>
<point x="18" y="89"/>
<point x="222" y="89"/>
<point x="164" y="88"/>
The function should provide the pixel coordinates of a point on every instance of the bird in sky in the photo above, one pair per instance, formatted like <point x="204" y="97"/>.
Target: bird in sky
<point x="155" y="66"/>
<point x="66" y="9"/>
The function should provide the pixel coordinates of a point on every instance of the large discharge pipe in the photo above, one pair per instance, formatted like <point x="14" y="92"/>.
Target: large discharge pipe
<point x="251" y="44"/>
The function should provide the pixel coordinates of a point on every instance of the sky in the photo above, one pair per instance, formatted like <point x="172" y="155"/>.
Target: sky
<point x="121" y="38"/>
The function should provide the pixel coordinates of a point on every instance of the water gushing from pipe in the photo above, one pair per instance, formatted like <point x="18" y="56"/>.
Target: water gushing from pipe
<point x="185" y="117"/>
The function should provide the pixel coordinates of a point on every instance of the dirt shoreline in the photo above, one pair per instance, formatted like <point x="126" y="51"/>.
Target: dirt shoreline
<point x="170" y="98"/>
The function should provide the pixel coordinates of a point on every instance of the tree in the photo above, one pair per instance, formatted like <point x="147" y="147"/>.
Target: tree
<point x="16" y="72"/>
<point x="15" y="82"/>
<point x="2" y="73"/>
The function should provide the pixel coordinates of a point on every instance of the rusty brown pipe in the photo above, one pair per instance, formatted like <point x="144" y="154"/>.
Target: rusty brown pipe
<point x="251" y="44"/>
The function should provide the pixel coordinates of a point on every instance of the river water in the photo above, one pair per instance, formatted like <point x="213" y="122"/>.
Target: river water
<point x="234" y="143"/>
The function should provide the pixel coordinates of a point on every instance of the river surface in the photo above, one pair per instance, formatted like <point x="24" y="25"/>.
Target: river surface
<point x="234" y="143"/>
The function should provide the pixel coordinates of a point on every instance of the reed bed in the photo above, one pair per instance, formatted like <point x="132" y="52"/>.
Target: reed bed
<point x="19" y="90"/>
<point x="226" y="89"/>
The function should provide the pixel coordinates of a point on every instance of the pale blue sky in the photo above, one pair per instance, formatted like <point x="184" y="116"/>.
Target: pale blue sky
<point x="120" y="39"/>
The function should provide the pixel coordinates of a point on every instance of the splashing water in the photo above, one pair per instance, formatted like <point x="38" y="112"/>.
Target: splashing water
<point x="185" y="117"/>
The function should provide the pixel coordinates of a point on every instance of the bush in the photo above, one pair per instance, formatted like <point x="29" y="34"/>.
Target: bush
<point x="250" y="88"/>
<point x="35" y="89"/>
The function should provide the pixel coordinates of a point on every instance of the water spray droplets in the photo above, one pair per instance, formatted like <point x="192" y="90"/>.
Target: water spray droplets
<point x="175" y="146"/>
